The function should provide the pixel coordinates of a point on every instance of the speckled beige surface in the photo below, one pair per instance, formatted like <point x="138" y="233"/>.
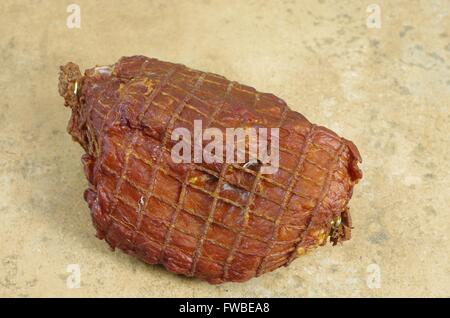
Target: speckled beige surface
<point x="386" y="89"/>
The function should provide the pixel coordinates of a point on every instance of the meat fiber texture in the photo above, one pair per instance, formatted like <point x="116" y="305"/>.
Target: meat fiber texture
<point x="220" y="221"/>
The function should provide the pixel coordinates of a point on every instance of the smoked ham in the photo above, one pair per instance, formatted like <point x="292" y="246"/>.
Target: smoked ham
<point x="216" y="221"/>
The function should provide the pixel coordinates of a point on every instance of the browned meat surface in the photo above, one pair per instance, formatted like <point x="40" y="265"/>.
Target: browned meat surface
<point x="220" y="222"/>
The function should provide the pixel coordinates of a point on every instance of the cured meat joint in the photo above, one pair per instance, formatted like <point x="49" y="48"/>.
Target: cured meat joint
<point x="218" y="221"/>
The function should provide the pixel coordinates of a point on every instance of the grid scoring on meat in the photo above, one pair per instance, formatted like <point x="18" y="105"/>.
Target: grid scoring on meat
<point x="257" y="240"/>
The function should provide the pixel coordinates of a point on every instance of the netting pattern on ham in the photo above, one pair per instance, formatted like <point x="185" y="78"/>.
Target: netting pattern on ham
<point x="216" y="221"/>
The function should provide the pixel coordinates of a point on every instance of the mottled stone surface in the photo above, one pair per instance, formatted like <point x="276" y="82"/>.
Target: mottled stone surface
<point x="386" y="89"/>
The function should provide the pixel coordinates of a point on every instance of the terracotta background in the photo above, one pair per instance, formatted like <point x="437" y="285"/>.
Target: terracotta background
<point x="386" y="89"/>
